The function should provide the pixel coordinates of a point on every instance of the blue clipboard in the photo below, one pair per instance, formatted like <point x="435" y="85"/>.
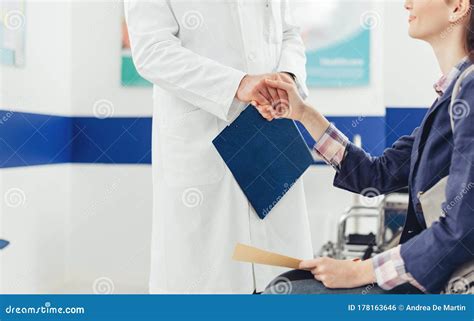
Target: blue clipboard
<point x="3" y="244"/>
<point x="266" y="158"/>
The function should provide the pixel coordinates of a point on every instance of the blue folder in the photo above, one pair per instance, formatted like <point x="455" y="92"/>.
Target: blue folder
<point x="266" y="158"/>
<point x="3" y="244"/>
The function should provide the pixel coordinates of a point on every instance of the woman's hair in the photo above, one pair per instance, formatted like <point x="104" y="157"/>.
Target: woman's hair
<point x="470" y="32"/>
<point x="469" y="40"/>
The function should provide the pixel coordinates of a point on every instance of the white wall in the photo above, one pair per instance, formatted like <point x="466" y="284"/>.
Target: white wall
<point x="35" y="201"/>
<point x="410" y="66"/>
<point x="43" y="85"/>
<point x="111" y="205"/>
<point x="34" y="214"/>
<point x="110" y="228"/>
<point x="99" y="216"/>
<point x="365" y="100"/>
<point x="325" y="202"/>
<point x="82" y="227"/>
<point x="399" y="64"/>
<point x="96" y="59"/>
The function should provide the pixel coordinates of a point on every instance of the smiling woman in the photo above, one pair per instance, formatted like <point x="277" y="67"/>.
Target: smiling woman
<point x="434" y="254"/>
<point x="436" y="21"/>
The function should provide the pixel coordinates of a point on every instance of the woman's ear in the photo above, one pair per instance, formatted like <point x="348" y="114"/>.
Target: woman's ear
<point x="461" y="9"/>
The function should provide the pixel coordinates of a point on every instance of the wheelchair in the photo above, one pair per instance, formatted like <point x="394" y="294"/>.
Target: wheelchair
<point x="388" y="212"/>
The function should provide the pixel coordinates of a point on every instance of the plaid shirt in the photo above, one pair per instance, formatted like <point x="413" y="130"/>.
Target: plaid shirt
<point x="388" y="266"/>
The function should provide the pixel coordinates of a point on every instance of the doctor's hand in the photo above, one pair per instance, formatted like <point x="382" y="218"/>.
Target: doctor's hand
<point x="279" y="97"/>
<point x="254" y="89"/>
<point x="340" y="273"/>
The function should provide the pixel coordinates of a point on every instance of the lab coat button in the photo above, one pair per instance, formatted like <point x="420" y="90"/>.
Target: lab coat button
<point x="252" y="56"/>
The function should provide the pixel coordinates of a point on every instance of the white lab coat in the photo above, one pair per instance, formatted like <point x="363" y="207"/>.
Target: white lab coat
<point x="196" y="53"/>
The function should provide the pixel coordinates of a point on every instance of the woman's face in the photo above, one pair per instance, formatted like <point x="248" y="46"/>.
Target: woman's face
<point x="428" y="19"/>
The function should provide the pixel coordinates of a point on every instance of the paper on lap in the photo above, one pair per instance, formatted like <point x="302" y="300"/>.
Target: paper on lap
<point x="246" y="253"/>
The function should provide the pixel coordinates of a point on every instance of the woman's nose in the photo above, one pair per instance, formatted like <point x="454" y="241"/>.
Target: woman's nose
<point x="408" y="4"/>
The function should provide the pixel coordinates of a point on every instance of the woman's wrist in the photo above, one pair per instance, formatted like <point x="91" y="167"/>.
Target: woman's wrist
<point x="314" y="122"/>
<point x="365" y="272"/>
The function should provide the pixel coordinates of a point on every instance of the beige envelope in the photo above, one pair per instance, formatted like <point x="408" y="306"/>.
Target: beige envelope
<point x="246" y="253"/>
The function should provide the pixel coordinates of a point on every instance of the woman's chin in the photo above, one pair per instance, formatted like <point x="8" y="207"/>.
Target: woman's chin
<point x="415" y="35"/>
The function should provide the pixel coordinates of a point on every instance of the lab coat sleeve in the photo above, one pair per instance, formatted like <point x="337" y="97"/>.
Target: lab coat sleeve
<point x="293" y="56"/>
<point x="360" y="172"/>
<point x="434" y="254"/>
<point x="160" y="58"/>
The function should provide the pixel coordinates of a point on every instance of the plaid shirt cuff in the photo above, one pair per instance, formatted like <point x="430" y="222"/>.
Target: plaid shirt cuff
<point x="331" y="147"/>
<point x="390" y="270"/>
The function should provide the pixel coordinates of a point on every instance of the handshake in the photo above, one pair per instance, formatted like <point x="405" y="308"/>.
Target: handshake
<point x="274" y="95"/>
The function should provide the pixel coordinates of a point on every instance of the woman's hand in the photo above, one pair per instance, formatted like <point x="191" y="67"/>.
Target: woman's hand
<point x="289" y="103"/>
<point x="340" y="273"/>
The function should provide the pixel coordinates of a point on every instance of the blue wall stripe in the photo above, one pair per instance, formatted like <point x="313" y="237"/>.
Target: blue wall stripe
<point x="112" y="140"/>
<point x="31" y="139"/>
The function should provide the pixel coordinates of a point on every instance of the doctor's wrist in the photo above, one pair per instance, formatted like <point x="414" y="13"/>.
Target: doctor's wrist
<point x="291" y="75"/>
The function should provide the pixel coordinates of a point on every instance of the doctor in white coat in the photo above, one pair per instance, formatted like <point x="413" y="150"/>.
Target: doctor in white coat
<point x="197" y="54"/>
